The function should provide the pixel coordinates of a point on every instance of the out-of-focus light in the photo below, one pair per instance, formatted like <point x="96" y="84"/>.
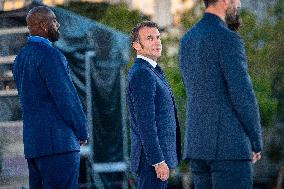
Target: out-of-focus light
<point x="10" y="5"/>
<point x="53" y="2"/>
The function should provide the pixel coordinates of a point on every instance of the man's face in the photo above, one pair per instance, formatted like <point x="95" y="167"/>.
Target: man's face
<point x="149" y="44"/>
<point x="232" y="11"/>
<point x="53" y="28"/>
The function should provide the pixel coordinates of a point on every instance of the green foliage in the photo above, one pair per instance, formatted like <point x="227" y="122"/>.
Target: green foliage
<point x="278" y="10"/>
<point x="95" y="11"/>
<point x="257" y="39"/>
<point x="117" y="16"/>
<point x="278" y="89"/>
<point x="267" y="104"/>
<point x="277" y="56"/>
<point x="190" y="17"/>
<point x="169" y="61"/>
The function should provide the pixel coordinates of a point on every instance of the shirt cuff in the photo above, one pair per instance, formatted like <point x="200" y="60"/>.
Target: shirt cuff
<point x="158" y="163"/>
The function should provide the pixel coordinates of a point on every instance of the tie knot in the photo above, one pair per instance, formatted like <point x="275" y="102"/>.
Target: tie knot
<point x="158" y="68"/>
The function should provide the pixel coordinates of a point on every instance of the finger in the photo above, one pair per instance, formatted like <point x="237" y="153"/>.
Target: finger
<point x="257" y="157"/>
<point x="166" y="175"/>
<point x="253" y="159"/>
<point x="163" y="178"/>
<point x="159" y="175"/>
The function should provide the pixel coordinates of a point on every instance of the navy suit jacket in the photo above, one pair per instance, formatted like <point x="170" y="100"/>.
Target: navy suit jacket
<point x="223" y="120"/>
<point x="152" y="116"/>
<point x="53" y="119"/>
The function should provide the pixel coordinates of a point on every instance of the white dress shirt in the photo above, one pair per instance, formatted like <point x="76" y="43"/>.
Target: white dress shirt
<point x="152" y="62"/>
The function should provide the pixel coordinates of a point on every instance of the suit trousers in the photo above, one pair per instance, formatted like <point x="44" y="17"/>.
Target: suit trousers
<point x="233" y="174"/>
<point x="59" y="171"/>
<point x="147" y="177"/>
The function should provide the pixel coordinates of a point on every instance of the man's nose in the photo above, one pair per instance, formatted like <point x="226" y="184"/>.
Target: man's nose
<point x="158" y="41"/>
<point x="57" y="24"/>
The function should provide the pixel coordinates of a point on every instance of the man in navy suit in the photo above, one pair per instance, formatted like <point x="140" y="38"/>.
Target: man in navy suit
<point x="223" y="132"/>
<point x="154" y="126"/>
<point x="54" y="123"/>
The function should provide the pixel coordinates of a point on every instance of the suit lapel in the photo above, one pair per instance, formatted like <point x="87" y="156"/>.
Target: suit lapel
<point x="154" y="70"/>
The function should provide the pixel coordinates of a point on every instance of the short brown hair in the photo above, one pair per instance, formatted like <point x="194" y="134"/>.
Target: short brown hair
<point x="209" y="2"/>
<point x="134" y="35"/>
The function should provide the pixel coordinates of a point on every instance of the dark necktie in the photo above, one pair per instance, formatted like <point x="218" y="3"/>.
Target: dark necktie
<point x="178" y="134"/>
<point x="158" y="68"/>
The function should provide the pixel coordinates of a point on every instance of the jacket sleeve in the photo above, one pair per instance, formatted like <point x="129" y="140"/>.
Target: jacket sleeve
<point x="55" y="74"/>
<point x="234" y="66"/>
<point x="143" y="90"/>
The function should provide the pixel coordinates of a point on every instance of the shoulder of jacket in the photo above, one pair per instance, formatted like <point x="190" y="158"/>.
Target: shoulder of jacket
<point x="46" y="49"/>
<point x="52" y="51"/>
<point x="140" y="71"/>
<point x="226" y="33"/>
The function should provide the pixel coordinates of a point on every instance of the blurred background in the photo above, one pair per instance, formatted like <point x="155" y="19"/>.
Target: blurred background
<point x="94" y="38"/>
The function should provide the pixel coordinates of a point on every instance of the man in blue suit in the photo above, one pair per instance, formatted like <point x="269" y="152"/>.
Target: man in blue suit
<point x="54" y="123"/>
<point x="223" y="132"/>
<point x="154" y="126"/>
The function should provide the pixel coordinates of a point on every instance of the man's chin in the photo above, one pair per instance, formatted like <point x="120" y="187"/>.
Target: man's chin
<point x="54" y="39"/>
<point x="234" y="23"/>
<point x="158" y="56"/>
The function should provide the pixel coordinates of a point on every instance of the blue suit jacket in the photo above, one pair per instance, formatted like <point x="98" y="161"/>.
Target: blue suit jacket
<point x="222" y="113"/>
<point x="53" y="118"/>
<point x="152" y="116"/>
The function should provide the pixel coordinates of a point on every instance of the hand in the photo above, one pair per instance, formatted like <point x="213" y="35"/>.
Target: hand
<point x="162" y="171"/>
<point x="256" y="157"/>
<point x="83" y="142"/>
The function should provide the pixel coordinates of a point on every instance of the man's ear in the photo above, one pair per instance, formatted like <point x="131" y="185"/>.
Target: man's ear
<point x="136" y="46"/>
<point x="43" y="26"/>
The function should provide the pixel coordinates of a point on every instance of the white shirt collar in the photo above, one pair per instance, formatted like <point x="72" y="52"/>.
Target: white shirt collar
<point x="152" y="62"/>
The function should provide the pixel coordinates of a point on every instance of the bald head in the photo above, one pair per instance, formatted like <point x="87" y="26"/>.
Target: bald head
<point x="41" y="21"/>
